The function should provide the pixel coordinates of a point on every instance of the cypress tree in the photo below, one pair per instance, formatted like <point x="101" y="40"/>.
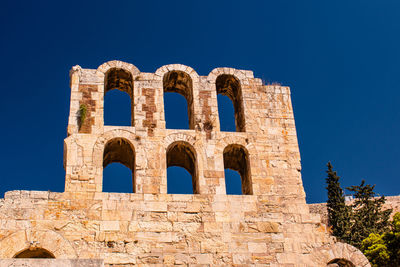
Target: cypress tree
<point x="338" y="212"/>
<point x="367" y="214"/>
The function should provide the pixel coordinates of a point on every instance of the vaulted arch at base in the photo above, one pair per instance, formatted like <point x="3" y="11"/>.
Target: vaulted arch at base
<point x="54" y="243"/>
<point x="339" y="255"/>
<point x="33" y="253"/>
<point x="340" y="263"/>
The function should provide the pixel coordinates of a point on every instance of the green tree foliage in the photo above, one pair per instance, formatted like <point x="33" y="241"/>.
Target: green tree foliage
<point x="353" y="223"/>
<point x="367" y="215"/>
<point x="338" y="212"/>
<point x="384" y="249"/>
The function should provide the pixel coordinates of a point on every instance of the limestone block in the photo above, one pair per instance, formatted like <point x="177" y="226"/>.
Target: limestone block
<point x="169" y="259"/>
<point x="257" y="247"/>
<point x="267" y="227"/>
<point x="109" y="226"/>
<point x="213" y="245"/>
<point x="155" y="226"/>
<point x="119" y="258"/>
<point x="204" y="259"/>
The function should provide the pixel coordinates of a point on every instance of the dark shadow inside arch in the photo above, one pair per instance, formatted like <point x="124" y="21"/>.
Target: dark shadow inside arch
<point x="228" y="85"/>
<point x="34" y="253"/>
<point x="181" y="154"/>
<point x="340" y="263"/>
<point x="119" y="150"/>
<point x="181" y="83"/>
<point x="117" y="109"/>
<point x="236" y="158"/>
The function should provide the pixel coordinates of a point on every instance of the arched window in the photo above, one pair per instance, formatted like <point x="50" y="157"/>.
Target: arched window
<point x="117" y="111"/>
<point x="178" y="82"/>
<point x="35" y="253"/>
<point x="181" y="154"/>
<point x="340" y="263"/>
<point x="236" y="158"/>
<point x="119" y="150"/>
<point x="229" y="86"/>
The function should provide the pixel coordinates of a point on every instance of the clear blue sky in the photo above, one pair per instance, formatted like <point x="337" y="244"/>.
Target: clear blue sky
<point x="340" y="58"/>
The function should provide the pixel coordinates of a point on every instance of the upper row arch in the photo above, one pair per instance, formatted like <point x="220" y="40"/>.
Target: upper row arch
<point x="105" y="67"/>
<point x="160" y="72"/>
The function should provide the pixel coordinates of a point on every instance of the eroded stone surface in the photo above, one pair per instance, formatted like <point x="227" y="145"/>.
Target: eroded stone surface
<point x="269" y="225"/>
<point x="50" y="263"/>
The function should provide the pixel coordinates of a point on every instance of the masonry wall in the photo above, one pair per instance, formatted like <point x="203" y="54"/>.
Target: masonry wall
<point x="270" y="136"/>
<point x="163" y="229"/>
<point x="51" y="263"/>
<point x="270" y="225"/>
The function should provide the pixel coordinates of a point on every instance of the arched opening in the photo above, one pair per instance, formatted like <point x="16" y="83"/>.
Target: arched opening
<point x="175" y="110"/>
<point x="117" y="178"/>
<point x="179" y="181"/>
<point x="236" y="158"/>
<point x="119" y="150"/>
<point x="233" y="182"/>
<point x="181" y="154"/>
<point x="228" y="85"/>
<point x="226" y="113"/>
<point x="340" y="263"/>
<point x="35" y="253"/>
<point x="117" y="111"/>
<point x="181" y="83"/>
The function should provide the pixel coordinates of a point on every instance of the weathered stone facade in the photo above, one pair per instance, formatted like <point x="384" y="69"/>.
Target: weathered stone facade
<point x="269" y="225"/>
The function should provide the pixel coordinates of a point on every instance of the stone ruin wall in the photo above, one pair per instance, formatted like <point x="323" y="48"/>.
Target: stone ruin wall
<point x="269" y="225"/>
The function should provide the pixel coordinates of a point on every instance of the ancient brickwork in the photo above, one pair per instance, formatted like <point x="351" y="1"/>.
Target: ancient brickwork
<point x="85" y="125"/>
<point x="268" y="225"/>
<point x="149" y="108"/>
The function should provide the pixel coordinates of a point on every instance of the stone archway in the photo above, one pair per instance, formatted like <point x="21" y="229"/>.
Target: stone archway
<point x="34" y="253"/>
<point x="51" y="241"/>
<point x="339" y="255"/>
<point x="340" y="263"/>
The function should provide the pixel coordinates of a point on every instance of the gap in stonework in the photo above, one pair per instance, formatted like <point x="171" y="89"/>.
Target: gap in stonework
<point x="176" y="111"/>
<point x="179" y="181"/>
<point x="226" y="113"/>
<point x="233" y="182"/>
<point x="117" y="108"/>
<point x="117" y="179"/>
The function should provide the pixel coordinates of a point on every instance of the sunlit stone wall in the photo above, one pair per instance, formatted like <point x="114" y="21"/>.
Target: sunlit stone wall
<point x="268" y="225"/>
